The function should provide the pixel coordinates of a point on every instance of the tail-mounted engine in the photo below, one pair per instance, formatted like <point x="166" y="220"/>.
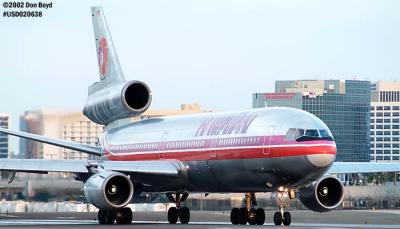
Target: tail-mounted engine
<point x="123" y="100"/>
<point x="108" y="190"/>
<point x="322" y="195"/>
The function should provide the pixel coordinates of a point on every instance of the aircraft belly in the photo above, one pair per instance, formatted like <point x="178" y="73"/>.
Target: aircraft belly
<point x="255" y="175"/>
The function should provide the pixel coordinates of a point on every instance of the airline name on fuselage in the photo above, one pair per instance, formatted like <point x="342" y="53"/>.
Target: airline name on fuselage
<point x="233" y="124"/>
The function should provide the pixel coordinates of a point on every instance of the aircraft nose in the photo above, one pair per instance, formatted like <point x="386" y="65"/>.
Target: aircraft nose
<point x="325" y="157"/>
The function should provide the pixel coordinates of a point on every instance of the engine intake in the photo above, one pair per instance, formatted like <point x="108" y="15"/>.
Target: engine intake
<point x="322" y="195"/>
<point x="108" y="190"/>
<point x="123" y="100"/>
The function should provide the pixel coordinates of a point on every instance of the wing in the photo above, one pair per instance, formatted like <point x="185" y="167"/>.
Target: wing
<point x="363" y="167"/>
<point x="137" y="168"/>
<point x="57" y="142"/>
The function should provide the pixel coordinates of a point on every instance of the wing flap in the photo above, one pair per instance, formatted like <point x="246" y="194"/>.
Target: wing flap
<point x="157" y="168"/>
<point x="363" y="167"/>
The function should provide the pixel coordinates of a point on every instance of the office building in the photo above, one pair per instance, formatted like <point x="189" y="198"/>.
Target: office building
<point x="385" y="131"/>
<point x="344" y="105"/>
<point x="4" y="123"/>
<point x="66" y="125"/>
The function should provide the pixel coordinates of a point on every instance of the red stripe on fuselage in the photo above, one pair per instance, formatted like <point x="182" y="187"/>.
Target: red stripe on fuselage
<point x="220" y="149"/>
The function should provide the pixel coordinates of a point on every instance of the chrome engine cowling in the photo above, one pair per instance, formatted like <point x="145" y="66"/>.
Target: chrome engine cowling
<point x="123" y="100"/>
<point x="108" y="190"/>
<point x="322" y="195"/>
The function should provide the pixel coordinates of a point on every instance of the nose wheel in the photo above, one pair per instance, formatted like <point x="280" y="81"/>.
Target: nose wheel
<point x="282" y="216"/>
<point x="248" y="214"/>
<point x="178" y="212"/>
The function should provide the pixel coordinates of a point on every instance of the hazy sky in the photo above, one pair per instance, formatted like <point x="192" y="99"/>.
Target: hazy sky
<point x="216" y="53"/>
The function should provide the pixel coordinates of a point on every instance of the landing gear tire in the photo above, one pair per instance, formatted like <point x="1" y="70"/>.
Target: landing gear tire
<point x="243" y="216"/>
<point x="184" y="215"/>
<point x="260" y="216"/>
<point x="172" y="215"/>
<point x="277" y="218"/>
<point x="235" y="216"/>
<point x="287" y="218"/>
<point x="105" y="217"/>
<point x="252" y="216"/>
<point x="124" y="216"/>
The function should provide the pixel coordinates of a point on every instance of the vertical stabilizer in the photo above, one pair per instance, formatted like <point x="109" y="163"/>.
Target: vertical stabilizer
<point x="109" y="67"/>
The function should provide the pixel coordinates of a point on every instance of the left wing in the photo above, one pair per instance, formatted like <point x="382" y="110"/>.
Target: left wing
<point x="363" y="167"/>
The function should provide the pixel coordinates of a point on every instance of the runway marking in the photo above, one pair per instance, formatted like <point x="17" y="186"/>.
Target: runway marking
<point x="10" y="216"/>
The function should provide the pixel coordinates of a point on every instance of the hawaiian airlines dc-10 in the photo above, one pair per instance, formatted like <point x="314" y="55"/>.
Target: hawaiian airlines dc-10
<point x="283" y="150"/>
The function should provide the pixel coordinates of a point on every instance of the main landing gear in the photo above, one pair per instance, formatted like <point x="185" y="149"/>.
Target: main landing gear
<point x="122" y="216"/>
<point x="248" y="214"/>
<point x="282" y="216"/>
<point x="183" y="213"/>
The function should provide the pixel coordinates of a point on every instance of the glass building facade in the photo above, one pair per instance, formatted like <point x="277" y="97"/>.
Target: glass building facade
<point x="344" y="105"/>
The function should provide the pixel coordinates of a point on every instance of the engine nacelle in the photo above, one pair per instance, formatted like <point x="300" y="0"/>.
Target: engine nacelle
<point x="322" y="195"/>
<point x="123" y="100"/>
<point x="108" y="190"/>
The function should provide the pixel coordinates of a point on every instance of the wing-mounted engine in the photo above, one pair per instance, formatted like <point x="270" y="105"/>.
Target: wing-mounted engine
<point x="123" y="100"/>
<point x="322" y="195"/>
<point x="108" y="190"/>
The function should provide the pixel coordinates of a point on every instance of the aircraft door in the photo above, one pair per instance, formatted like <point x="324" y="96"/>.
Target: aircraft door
<point x="164" y="145"/>
<point x="213" y="151"/>
<point x="267" y="139"/>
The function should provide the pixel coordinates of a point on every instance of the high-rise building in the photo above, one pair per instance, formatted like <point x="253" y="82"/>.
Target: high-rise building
<point x="344" y="105"/>
<point x="385" y="118"/>
<point x="4" y="123"/>
<point x="66" y="125"/>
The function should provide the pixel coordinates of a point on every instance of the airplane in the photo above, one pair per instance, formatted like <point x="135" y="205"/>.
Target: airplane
<point x="286" y="151"/>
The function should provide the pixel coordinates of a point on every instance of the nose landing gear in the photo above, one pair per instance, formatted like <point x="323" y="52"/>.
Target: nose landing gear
<point x="248" y="214"/>
<point x="282" y="217"/>
<point x="183" y="213"/>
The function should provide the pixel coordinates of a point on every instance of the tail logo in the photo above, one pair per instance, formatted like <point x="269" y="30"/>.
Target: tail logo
<point x="103" y="57"/>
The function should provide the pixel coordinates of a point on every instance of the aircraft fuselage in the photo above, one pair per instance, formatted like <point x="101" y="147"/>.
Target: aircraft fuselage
<point x="253" y="150"/>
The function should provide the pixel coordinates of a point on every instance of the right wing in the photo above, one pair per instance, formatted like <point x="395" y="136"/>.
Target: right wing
<point x="137" y="169"/>
<point x="149" y="171"/>
<point x="57" y="142"/>
<point x="363" y="167"/>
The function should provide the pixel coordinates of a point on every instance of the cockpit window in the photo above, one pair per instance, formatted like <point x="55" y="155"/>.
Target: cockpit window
<point x="312" y="133"/>
<point x="294" y="133"/>
<point x="324" y="133"/>
<point x="308" y="135"/>
<point x="290" y="134"/>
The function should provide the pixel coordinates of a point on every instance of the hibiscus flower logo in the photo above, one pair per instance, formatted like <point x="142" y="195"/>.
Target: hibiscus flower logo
<point x="103" y="57"/>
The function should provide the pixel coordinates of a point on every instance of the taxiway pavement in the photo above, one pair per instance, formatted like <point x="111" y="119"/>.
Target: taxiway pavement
<point x="206" y="219"/>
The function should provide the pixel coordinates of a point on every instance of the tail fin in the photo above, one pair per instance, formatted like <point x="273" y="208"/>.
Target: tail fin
<point x="109" y="68"/>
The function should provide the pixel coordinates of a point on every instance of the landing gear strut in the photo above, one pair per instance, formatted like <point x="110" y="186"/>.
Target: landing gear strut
<point x="183" y="213"/>
<point x="282" y="217"/>
<point x="248" y="214"/>
<point x="122" y="216"/>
